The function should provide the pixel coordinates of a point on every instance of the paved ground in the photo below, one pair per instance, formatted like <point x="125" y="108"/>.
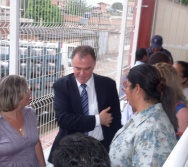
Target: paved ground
<point x="46" y="154"/>
<point x="47" y="144"/>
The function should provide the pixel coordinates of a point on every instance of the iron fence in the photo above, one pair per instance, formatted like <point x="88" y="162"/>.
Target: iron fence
<point x="49" y="30"/>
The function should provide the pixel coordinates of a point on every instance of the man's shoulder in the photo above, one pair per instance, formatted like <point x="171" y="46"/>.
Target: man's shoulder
<point x="63" y="79"/>
<point x="166" y="51"/>
<point x="102" y="78"/>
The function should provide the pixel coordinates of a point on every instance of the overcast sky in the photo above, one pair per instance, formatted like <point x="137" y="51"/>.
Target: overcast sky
<point x="110" y="2"/>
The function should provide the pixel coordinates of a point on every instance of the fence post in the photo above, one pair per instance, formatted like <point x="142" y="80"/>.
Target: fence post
<point x="14" y="37"/>
<point x="121" y="45"/>
<point x="136" y="31"/>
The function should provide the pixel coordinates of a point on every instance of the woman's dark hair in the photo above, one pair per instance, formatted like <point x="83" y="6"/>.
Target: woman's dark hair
<point x="185" y="68"/>
<point x="79" y="150"/>
<point x="140" y="53"/>
<point x="155" y="88"/>
<point x="159" y="57"/>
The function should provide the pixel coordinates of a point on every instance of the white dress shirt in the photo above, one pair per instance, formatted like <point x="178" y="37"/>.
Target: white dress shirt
<point x="138" y="63"/>
<point x="93" y="108"/>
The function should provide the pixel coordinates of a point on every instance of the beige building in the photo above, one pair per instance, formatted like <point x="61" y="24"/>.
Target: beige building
<point x="59" y="3"/>
<point x="103" y="6"/>
<point x="5" y="3"/>
<point x="171" y="21"/>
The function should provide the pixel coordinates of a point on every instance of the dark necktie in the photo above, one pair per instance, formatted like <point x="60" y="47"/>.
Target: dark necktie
<point x="84" y="100"/>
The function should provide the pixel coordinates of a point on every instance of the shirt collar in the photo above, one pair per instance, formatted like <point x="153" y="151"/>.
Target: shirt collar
<point x="140" y="117"/>
<point x="88" y="83"/>
<point x="138" y="63"/>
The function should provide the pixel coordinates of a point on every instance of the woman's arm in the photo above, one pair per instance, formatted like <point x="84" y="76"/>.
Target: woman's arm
<point x="182" y="116"/>
<point x="40" y="155"/>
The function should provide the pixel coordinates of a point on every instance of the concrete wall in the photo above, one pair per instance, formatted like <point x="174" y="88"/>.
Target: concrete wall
<point x="113" y="43"/>
<point x="171" y="21"/>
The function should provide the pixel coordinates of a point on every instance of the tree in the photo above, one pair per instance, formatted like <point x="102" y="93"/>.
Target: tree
<point x="117" y="6"/>
<point x="77" y="7"/>
<point x="23" y="5"/>
<point x="185" y="2"/>
<point x="44" y="12"/>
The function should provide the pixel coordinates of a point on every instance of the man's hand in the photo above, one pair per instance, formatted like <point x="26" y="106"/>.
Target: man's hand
<point x="105" y="117"/>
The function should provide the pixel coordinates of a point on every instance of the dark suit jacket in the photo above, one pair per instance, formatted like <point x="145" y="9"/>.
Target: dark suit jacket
<point x="70" y="118"/>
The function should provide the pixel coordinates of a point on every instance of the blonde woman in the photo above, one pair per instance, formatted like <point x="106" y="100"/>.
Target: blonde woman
<point x="173" y="80"/>
<point x="19" y="139"/>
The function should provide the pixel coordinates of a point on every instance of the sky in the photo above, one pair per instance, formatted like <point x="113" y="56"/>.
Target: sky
<point x="110" y="2"/>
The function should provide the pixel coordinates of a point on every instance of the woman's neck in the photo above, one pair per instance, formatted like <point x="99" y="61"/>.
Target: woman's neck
<point x="144" y="105"/>
<point x="15" y="119"/>
<point x="12" y="114"/>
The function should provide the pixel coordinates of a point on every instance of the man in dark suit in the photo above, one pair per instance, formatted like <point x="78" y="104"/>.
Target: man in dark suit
<point x="104" y="117"/>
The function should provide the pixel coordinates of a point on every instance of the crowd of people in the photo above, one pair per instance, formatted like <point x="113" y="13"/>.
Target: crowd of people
<point x="87" y="110"/>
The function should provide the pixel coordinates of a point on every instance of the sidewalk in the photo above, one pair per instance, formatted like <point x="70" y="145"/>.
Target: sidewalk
<point x="46" y="155"/>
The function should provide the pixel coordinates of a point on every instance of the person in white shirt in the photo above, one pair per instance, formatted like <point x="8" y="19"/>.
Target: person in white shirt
<point x="141" y="56"/>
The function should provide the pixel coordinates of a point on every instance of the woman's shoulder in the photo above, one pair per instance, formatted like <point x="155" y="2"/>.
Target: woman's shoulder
<point x="181" y="104"/>
<point x="156" y="118"/>
<point x="28" y="110"/>
<point x="183" y="112"/>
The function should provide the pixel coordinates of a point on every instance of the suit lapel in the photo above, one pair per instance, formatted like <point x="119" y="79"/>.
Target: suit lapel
<point x="99" y="92"/>
<point x="75" y="95"/>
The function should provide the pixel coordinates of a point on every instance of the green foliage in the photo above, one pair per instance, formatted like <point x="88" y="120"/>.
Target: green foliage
<point x="43" y="12"/>
<point x="117" y="6"/>
<point x="77" y="7"/>
<point x="23" y="5"/>
<point x="185" y="2"/>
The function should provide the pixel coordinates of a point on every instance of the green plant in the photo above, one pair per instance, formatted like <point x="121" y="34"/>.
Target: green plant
<point x="44" y="12"/>
<point x="77" y="7"/>
<point x="117" y="6"/>
<point x="185" y="2"/>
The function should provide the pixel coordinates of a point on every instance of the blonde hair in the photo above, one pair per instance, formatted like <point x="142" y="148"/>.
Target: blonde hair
<point x="12" y="90"/>
<point x="172" y="79"/>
